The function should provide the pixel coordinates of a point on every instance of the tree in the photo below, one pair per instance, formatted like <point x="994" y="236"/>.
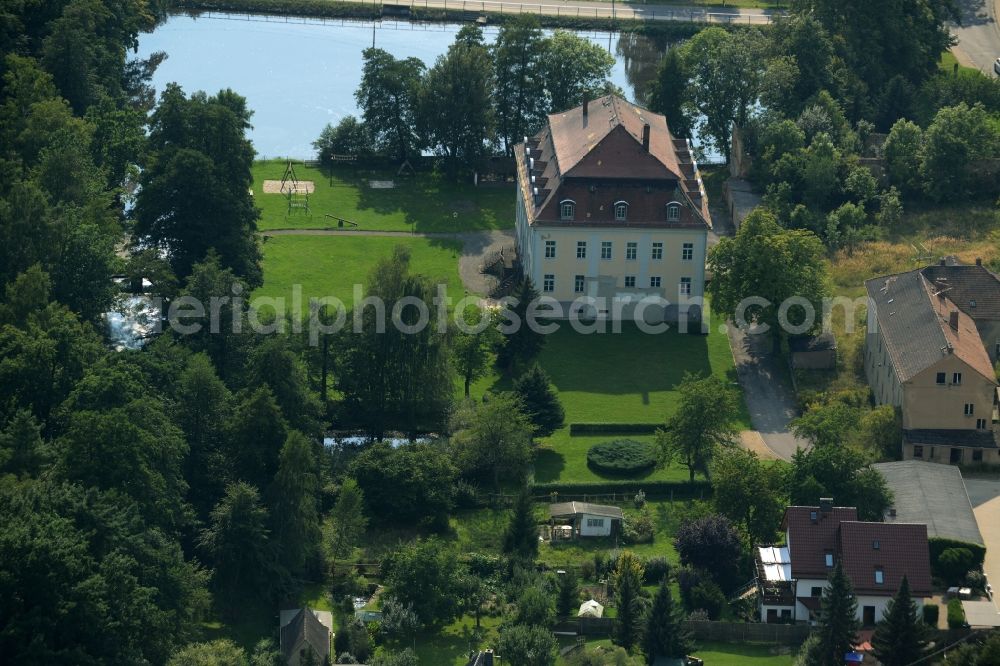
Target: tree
<point x="349" y="520"/>
<point x="901" y="637"/>
<point x="827" y="423"/>
<point x="517" y="57"/>
<point x="255" y="433"/>
<point x="405" y="658"/>
<point x="664" y="634"/>
<point x="766" y="261"/>
<point x="22" y="450"/>
<point x="348" y="137"/>
<point x="957" y="136"/>
<point x="522" y="344"/>
<point x="274" y="364"/>
<point x="903" y="148"/>
<point x="841" y="473"/>
<point x="293" y="501"/>
<point x="456" y="113"/>
<point x="238" y="543"/>
<point x="195" y="191"/>
<point x="528" y="646"/>
<point x="493" y="437"/>
<point x="407" y="484"/>
<point x="881" y="431"/>
<point x="567" y="592"/>
<point x="712" y="544"/>
<point x="399" y="622"/>
<point x="395" y="374"/>
<point x="534" y="607"/>
<point x="749" y="492"/>
<point x="84" y="580"/>
<point x="701" y="424"/>
<point x="573" y="68"/>
<point x="425" y="575"/>
<point x="473" y="351"/>
<point x="520" y="539"/>
<point x="203" y="402"/>
<point x="726" y="71"/>
<point x="539" y="400"/>
<point x="626" y="582"/>
<point x="838" y="624"/>
<point x="222" y="652"/>
<point x="387" y="97"/>
<point x="669" y="91"/>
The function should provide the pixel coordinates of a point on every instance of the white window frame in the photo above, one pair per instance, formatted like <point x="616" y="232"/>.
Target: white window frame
<point x="631" y="251"/>
<point x="956" y="378"/>
<point x="684" y="288"/>
<point x="595" y="522"/>
<point x="687" y="252"/>
<point x="630" y="279"/>
<point x="673" y="211"/>
<point x="563" y="207"/>
<point x="879" y="577"/>
<point x="550" y="249"/>
<point x="828" y="559"/>
<point x="621" y="211"/>
<point x="657" y="252"/>
<point x="581" y="249"/>
<point x="655" y="281"/>
<point x="609" y="246"/>
<point x="970" y="409"/>
<point x="579" y="284"/>
<point x="548" y="283"/>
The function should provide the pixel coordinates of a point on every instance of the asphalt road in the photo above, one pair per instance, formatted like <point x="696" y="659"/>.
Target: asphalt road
<point x="979" y="35"/>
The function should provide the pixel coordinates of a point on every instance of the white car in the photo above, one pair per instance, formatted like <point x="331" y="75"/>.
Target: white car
<point x="996" y="66"/>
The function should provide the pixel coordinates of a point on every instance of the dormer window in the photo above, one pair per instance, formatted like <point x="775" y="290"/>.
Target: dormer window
<point x="673" y="211"/>
<point x="567" y="209"/>
<point x="621" y="211"/>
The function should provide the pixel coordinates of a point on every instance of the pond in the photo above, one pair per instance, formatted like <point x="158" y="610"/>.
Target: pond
<point x="300" y="74"/>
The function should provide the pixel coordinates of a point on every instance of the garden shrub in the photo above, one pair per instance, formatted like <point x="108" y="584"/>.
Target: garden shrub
<point x="931" y="613"/>
<point x="938" y="545"/>
<point x="657" y="568"/>
<point x="622" y="456"/>
<point x="707" y="596"/>
<point x="956" y="614"/>
<point x="954" y="564"/>
<point x="613" y="428"/>
<point x="638" y="528"/>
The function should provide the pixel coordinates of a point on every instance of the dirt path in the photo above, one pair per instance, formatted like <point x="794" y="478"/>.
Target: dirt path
<point x="475" y="246"/>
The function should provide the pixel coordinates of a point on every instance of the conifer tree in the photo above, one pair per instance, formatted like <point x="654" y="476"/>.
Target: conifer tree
<point x="626" y="581"/>
<point x="901" y="637"/>
<point x="349" y="519"/>
<point x="295" y="520"/>
<point x="521" y="538"/>
<point x="568" y="593"/>
<point x="838" y="630"/>
<point x="664" y="635"/>
<point x="522" y="344"/>
<point x="540" y="402"/>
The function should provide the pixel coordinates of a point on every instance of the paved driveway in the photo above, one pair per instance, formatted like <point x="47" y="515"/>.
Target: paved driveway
<point x="979" y="34"/>
<point x="768" y="395"/>
<point x="984" y="493"/>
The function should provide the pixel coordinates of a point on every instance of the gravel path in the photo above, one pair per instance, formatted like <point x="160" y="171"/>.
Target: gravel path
<point x="475" y="246"/>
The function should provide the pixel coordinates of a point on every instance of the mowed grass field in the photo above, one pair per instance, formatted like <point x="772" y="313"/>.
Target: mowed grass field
<point x="332" y="265"/>
<point x="421" y="203"/>
<point x="626" y="377"/>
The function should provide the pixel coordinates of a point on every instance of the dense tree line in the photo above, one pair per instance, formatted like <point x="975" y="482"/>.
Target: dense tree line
<point x="476" y="100"/>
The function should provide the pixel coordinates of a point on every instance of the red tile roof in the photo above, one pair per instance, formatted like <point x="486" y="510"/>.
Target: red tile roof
<point x="902" y="550"/>
<point x="599" y="158"/>
<point x="809" y="542"/>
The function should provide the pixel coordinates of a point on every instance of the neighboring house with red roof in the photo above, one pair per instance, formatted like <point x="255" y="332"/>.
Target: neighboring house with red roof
<point x="611" y="206"/>
<point x="932" y="340"/>
<point x="875" y="557"/>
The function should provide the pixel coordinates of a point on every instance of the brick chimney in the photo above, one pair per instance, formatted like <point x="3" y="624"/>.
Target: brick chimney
<point x="586" y="103"/>
<point x="979" y="261"/>
<point x="645" y="137"/>
<point x="953" y="319"/>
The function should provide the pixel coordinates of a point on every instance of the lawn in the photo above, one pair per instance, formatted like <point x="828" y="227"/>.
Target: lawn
<point x="421" y="203"/>
<point x="744" y="654"/>
<point x="332" y="265"/>
<point x="626" y="377"/>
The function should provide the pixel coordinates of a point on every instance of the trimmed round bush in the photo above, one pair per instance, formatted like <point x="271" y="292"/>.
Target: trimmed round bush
<point x="622" y="457"/>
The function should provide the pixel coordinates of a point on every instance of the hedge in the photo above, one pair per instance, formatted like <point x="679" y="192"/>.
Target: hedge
<point x="938" y="545"/>
<point x="931" y="612"/>
<point x="956" y="614"/>
<point x="613" y="428"/>
<point x="679" y="490"/>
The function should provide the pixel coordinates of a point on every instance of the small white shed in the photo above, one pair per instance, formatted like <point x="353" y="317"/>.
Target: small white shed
<point x="588" y="520"/>
<point x="591" y="609"/>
